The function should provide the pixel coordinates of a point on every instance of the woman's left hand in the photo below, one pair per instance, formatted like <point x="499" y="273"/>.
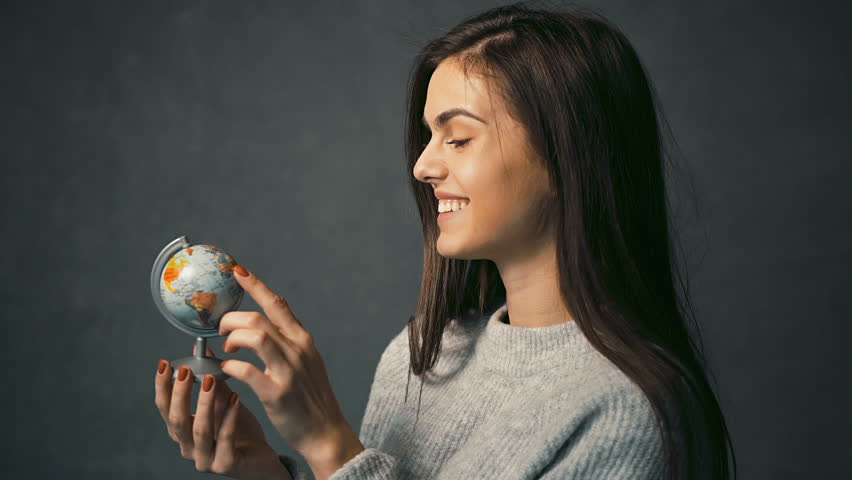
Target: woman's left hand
<point x="294" y="388"/>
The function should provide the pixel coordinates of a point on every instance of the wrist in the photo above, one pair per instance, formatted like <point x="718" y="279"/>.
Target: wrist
<point x="331" y="452"/>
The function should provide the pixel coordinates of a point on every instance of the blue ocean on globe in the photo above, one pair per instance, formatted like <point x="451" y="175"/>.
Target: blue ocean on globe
<point x="198" y="286"/>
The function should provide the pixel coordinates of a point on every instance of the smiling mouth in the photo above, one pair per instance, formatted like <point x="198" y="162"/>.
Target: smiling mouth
<point x="442" y="216"/>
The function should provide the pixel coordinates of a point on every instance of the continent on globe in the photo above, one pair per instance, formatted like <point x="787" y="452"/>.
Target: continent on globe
<point x="173" y="269"/>
<point x="204" y="303"/>
<point x="226" y="263"/>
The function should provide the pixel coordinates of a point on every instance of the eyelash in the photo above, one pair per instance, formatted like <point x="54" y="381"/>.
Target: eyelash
<point x="459" y="144"/>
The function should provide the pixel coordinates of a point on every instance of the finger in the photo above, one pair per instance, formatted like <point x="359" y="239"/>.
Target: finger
<point x="222" y="393"/>
<point x="163" y="395"/>
<point x="203" y="425"/>
<point x="220" y="405"/>
<point x="264" y="387"/>
<point x="264" y="345"/>
<point x="225" y="447"/>
<point x="275" y="306"/>
<point x="257" y="321"/>
<point x="253" y="320"/>
<point x="179" y="414"/>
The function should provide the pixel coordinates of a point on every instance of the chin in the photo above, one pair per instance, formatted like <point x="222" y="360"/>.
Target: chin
<point x="451" y="249"/>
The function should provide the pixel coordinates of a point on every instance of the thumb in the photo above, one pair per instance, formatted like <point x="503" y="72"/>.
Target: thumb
<point x="209" y="351"/>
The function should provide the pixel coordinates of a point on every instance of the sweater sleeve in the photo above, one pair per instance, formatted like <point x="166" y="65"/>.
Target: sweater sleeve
<point x="619" y="440"/>
<point x="370" y="464"/>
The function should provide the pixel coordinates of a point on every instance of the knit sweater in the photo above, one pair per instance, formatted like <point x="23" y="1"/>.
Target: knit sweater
<point x="504" y="402"/>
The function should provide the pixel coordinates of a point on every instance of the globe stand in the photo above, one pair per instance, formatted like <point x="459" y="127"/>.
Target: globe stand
<point x="200" y="363"/>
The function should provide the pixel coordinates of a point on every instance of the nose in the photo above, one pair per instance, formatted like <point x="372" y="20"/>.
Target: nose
<point x="429" y="166"/>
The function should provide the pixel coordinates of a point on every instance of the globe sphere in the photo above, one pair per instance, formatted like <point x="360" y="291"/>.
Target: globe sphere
<point x="197" y="286"/>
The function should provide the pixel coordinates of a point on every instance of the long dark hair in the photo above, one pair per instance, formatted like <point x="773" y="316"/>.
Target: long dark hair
<point x="574" y="81"/>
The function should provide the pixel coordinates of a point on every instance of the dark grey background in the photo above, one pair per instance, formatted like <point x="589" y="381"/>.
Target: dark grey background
<point x="274" y="130"/>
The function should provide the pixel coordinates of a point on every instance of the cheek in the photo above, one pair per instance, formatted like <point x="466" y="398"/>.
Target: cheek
<point x="493" y="213"/>
<point x="500" y="188"/>
<point x="504" y="211"/>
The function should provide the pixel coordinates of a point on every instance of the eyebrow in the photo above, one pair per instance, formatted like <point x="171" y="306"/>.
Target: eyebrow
<point x="445" y="117"/>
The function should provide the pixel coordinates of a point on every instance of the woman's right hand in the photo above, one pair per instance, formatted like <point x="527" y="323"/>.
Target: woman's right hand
<point x="221" y="437"/>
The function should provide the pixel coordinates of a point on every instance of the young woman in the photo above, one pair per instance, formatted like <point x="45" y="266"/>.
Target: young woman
<point x="549" y="337"/>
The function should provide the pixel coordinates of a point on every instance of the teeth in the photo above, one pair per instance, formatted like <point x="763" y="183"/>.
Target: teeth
<point x="452" y="205"/>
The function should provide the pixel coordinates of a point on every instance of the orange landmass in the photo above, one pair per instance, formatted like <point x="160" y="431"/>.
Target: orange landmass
<point x="227" y="267"/>
<point x="203" y="301"/>
<point x="172" y="272"/>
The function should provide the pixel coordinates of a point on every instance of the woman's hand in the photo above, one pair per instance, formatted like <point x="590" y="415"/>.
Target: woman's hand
<point x="222" y="436"/>
<point x="294" y="388"/>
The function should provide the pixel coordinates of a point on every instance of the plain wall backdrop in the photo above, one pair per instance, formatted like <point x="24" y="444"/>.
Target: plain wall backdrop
<point x="274" y="130"/>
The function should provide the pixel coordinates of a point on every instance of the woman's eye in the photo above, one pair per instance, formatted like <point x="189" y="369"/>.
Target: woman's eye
<point x="458" y="144"/>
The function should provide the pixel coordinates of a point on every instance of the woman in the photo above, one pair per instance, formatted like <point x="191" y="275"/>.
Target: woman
<point x="548" y="290"/>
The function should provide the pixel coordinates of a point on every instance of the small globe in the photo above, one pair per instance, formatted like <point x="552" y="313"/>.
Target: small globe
<point x="198" y="287"/>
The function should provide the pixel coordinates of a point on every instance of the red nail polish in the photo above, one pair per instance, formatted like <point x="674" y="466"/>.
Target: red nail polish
<point x="182" y="373"/>
<point x="234" y="398"/>
<point x="208" y="383"/>
<point x="162" y="367"/>
<point x="241" y="270"/>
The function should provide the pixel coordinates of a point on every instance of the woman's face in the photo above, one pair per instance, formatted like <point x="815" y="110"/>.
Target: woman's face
<point x="490" y="163"/>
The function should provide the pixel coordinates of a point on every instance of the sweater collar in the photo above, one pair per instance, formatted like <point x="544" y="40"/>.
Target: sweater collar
<point x="524" y="351"/>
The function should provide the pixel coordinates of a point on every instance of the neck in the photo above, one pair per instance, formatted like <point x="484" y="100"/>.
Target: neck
<point x="531" y="279"/>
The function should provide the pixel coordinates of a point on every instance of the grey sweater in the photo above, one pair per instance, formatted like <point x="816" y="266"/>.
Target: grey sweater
<point x="504" y="402"/>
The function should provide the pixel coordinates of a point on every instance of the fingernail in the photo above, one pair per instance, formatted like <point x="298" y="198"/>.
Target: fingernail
<point x="241" y="270"/>
<point x="208" y="383"/>
<point x="182" y="373"/>
<point x="162" y="367"/>
<point x="234" y="398"/>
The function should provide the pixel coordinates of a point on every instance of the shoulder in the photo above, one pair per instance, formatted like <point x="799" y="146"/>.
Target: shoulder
<point x="398" y="344"/>
<point x="610" y="427"/>
<point x="457" y="330"/>
<point x="393" y="362"/>
<point x="617" y="411"/>
<point x="602" y="390"/>
<point x="456" y="337"/>
<point x="615" y="402"/>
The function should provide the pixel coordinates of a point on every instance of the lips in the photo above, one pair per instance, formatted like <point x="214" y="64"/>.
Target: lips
<point x="450" y="215"/>
<point x="442" y="195"/>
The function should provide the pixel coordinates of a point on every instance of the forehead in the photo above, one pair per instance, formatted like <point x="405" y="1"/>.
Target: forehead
<point x="449" y="87"/>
